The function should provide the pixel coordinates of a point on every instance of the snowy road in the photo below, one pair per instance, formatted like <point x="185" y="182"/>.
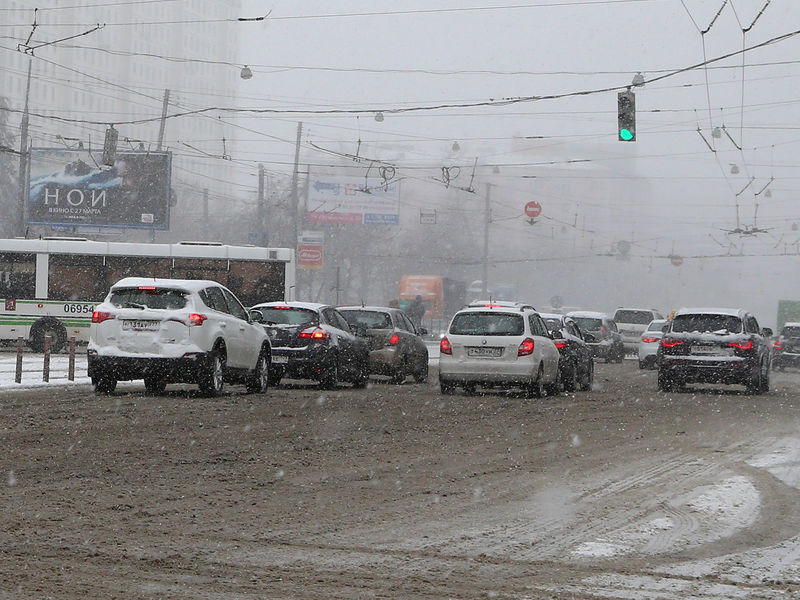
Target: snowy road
<point x="397" y="491"/>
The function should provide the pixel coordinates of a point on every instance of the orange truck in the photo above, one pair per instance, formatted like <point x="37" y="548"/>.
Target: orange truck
<point x="442" y="296"/>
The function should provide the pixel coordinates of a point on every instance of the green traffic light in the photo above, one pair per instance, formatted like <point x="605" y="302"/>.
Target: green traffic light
<point x="625" y="134"/>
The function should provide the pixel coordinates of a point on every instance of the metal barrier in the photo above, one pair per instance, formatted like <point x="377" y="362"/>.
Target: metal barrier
<point x="46" y="363"/>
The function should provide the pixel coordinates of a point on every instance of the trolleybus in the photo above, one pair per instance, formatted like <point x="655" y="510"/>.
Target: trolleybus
<point x="50" y="286"/>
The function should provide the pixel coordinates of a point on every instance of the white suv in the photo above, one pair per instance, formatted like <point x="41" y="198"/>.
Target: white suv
<point x="498" y="346"/>
<point x="176" y="331"/>
<point x="632" y="323"/>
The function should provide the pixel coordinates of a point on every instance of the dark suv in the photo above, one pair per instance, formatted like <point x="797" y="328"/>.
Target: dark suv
<point x="786" y="349"/>
<point x="714" y="345"/>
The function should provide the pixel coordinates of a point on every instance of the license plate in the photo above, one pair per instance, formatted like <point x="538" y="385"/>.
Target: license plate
<point x="280" y="359"/>
<point x="485" y="352"/>
<point x="140" y="325"/>
<point x="711" y="351"/>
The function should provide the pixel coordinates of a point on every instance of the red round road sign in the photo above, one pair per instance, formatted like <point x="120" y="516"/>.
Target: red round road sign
<point x="676" y="260"/>
<point x="533" y="209"/>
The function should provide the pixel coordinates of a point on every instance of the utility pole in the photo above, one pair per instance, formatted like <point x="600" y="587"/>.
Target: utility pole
<point x="163" y="120"/>
<point x="487" y="217"/>
<point x="263" y="238"/>
<point x="295" y="195"/>
<point x="23" y="157"/>
<point x="205" y="214"/>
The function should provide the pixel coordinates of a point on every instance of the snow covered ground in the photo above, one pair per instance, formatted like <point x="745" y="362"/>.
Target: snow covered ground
<point x="32" y="368"/>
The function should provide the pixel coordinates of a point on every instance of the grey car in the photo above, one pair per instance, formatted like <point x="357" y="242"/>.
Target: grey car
<point x="396" y="348"/>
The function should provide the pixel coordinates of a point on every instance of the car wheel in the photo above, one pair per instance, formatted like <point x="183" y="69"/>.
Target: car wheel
<point x="258" y="379"/>
<point x="570" y="378"/>
<point x="554" y="388"/>
<point x="588" y="378"/>
<point x="211" y="379"/>
<point x="330" y="376"/>
<point x="275" y="375"/>
<point x="447" y="388"/>
<point x="421" y="374"/>
<point x="362" y="377"/>
<point x="535" y="389"/>
<point x="104" y="384"/>
<point x="155" y="385"/>
<point x="43" y="328"/>
<point x="399" y="376"/>
<point x="642" y="364"/>
<point x="765" y="379"/>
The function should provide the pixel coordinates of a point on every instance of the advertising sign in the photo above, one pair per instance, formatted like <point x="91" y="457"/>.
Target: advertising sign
<point x="356" y="200"/>
<point x="310" y="249"/>
<point x="67" y="187"/>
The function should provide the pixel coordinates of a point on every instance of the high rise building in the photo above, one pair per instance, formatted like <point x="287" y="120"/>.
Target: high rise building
<point x="120" y="73"/>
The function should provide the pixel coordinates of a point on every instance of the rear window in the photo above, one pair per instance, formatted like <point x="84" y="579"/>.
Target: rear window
<point x="370" y="319"/>
<point x="553" y="324"/>
<point x="487" y="323"/>
<point x="161" y="298"/>
<point x="791" y="331"/>
<point x="656" y="326"/>
<point x="589" y="323"/>
<point x="707" y="324"/>
<point x="276" y="315"/>
<point x="635" y="317"/>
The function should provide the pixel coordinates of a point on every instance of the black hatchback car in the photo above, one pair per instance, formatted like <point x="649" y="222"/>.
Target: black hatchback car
<point x="313" y="341"/>
<point x="576" y="362"/>
<point x="786" y="349"/>
<point x="714" y="345"/>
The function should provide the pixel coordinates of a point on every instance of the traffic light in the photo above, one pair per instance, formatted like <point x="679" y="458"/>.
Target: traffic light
<point x="626" y="116"/>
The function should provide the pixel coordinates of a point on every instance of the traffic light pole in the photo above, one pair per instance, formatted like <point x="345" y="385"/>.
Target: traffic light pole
<point x="23" y="158"/>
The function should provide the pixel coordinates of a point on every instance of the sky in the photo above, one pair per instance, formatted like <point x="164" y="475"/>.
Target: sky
<point x="674" y="191"/>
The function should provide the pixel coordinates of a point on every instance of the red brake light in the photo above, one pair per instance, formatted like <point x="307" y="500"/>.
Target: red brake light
<point x="281" y="307"/>
<point x="493" y="305"/>
<point x="445" y="347"/>
<point x="394" y="340"/>
<point x="670" y="343"/>
<point x="314" y="333"/>
<point x="525" y="347"/>
<point x="748" y="345"/>
<point x="99" y="317"/>
<point x="777" y="345"/>
<point x="196" y="319"/>
<point x="649" y="340"/>
<point x="604" y="330"/>
<point x="147" y="288"/>
<point x="561" y="344"/>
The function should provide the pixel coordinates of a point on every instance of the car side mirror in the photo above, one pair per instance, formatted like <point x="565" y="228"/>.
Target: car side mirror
<point x="423" y="331"/>
<point x="557" y="334"/>
<point x="256" y="316"/>
<point x="766" y="332"/>
<point x="665" y="328"/>
<point x="588" y="337"/>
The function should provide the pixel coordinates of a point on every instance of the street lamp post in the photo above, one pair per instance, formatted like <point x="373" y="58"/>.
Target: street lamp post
<point x="23" y="158"/>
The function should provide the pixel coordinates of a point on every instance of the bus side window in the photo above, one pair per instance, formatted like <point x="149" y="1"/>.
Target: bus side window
<point x="17" y="275"/>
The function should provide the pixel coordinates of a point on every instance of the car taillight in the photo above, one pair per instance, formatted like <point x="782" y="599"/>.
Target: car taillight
<point x="445" y="347"/>
<point x="196" y="319"/>
<point x="525" y="347"/>
<point x="313" y="333"/>
<point x="147" y="288"/>
<point x="561" y="344"/>
<point x="649" y="340"/>
<point x="748" y="345"/>
<point x="99" y="316"/>
<point x="670" y="343"/>
<point x="604" y="330"/>
<point x="777" y="345"/>
<point x="394" y="340"/>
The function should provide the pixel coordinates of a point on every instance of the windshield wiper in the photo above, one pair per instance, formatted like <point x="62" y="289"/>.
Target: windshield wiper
<point x="133" y="305"/>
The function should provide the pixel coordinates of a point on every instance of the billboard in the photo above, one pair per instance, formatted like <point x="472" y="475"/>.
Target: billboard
<point x="356" y="200"/>
<point x="68" y="187"/>
<point x="310" y="246"/>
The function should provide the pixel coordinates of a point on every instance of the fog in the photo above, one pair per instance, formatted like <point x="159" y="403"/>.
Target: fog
<point x="516" y="102"/>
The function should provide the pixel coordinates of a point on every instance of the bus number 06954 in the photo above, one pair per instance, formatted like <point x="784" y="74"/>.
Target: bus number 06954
<point x="78" y="308"/>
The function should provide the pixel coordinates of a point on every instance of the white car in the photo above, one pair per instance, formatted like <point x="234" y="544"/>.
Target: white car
<point x="498" y="346"/>
<point x="649" y="342"/>
<point x="631" y="323"/>
<point x="176" y="331"/>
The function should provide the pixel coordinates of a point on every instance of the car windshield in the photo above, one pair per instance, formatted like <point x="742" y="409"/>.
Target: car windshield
<point x="636" y="317"/>
<point x="707" y="323"/>
<point x="160" y="298"/>
<point x="589" y="323"/>
<point x="487" y="323"/>
<point x="656" y="326"/>
<point x="791" y="331"/>
<point x="371" y="319"/>
<point x="280" y="315"/>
